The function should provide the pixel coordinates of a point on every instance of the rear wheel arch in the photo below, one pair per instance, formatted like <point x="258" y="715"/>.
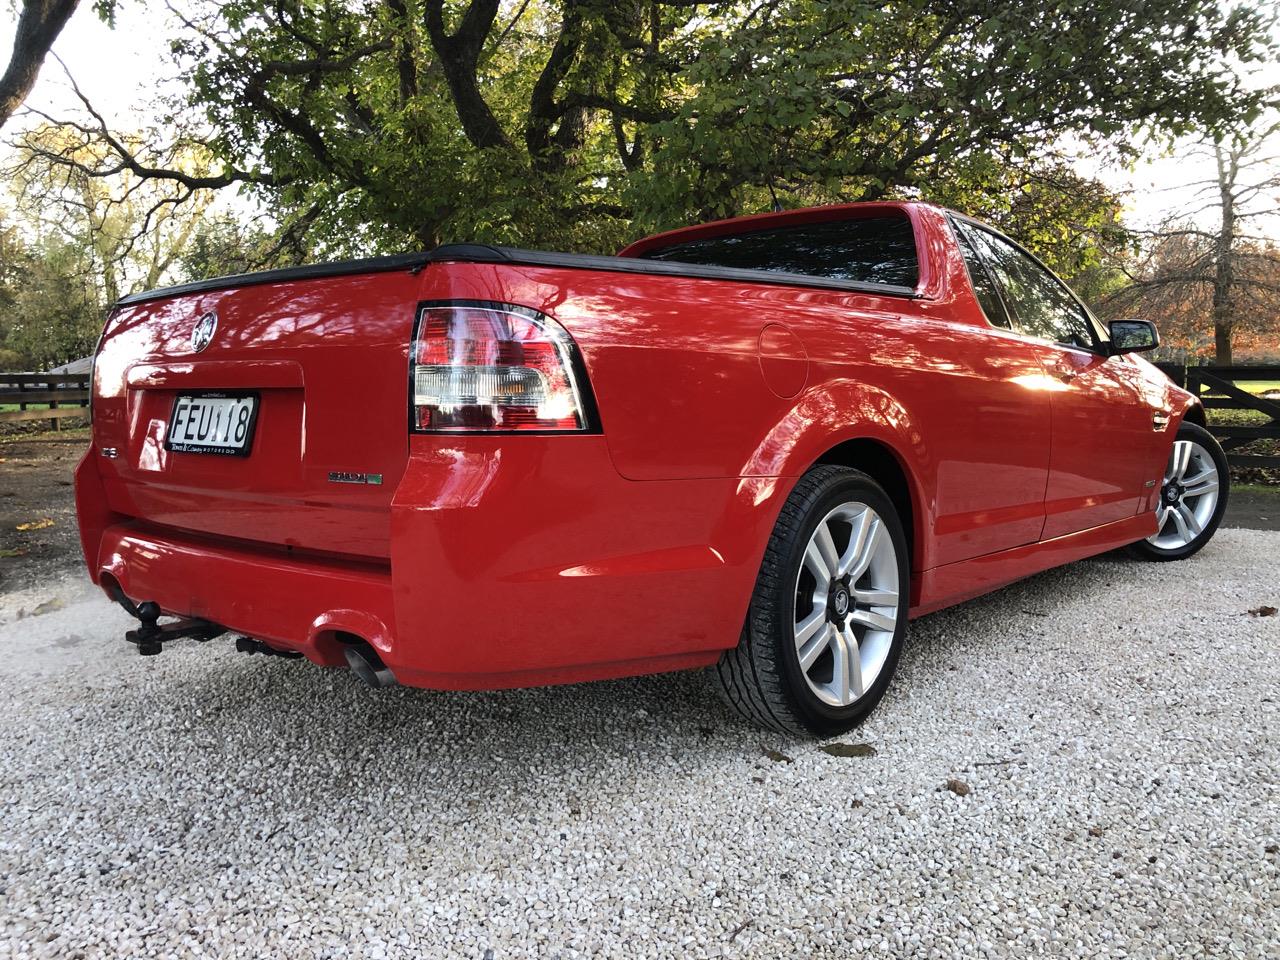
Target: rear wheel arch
<point x="885" y="466"/>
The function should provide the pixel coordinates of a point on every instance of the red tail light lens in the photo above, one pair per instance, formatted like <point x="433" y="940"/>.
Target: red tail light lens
<point x="494" y="367"/>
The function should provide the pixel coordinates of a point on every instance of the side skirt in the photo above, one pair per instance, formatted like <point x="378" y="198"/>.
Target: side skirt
<point x="956" y="582"/>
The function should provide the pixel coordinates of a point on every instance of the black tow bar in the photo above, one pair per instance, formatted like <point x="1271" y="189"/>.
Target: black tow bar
<point x="151" y="635"/>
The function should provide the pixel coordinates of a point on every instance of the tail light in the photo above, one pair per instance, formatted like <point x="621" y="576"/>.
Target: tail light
<point x="495" y="367"/>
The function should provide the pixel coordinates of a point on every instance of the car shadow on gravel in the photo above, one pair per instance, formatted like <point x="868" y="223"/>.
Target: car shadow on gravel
<point x="296" y="709"/>
<point x="410" y="759"/>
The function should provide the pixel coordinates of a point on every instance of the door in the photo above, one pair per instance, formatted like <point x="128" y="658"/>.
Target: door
<point x="1101" y="423"/>
<point x="991" y="448"/>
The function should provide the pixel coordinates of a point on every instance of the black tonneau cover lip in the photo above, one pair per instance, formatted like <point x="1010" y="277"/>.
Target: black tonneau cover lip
<point x="402" y="261"/>
<point x="484" y="253"/>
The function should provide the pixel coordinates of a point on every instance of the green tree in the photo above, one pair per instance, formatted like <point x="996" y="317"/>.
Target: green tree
<point x="132" y="227"/>
<point x="582" y="124"/>
<point x="76" y="242"/>
<point x="222" y="244"/>
<point x="50" y="311"/>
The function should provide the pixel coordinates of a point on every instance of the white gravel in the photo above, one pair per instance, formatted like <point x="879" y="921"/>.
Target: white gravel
<point x="1116" y="723"/>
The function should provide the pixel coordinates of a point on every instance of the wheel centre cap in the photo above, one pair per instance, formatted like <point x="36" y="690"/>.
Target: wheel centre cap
<point x="840" y="601"/>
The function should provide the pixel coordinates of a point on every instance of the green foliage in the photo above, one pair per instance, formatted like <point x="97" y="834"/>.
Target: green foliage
<point x="220" y="245"/>
<point x="582" y="124"/>
<point x="1072" y="222"/>
<point x="49" y="308"/>
<point x="75" y="243"/>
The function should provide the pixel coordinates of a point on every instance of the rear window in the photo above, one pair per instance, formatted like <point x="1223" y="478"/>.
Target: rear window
<point x="866" y="249"/>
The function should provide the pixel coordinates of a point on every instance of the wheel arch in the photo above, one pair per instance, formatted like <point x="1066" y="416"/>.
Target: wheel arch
<point x="886" y="466"/>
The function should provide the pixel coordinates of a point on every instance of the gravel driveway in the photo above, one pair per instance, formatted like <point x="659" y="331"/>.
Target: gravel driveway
<point x="1111" y="731"/>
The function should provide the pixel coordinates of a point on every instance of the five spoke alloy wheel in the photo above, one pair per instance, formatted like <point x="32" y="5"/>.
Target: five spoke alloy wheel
<point x="1188" y="496"/>
<point x="1193" y="497"/>
<point x="846" y="608"/>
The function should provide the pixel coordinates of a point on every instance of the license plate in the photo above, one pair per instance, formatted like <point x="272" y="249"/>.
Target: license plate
<point x="213" y="423"/>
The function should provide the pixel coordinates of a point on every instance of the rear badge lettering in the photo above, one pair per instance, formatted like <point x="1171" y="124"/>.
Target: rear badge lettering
<point x="341" y="476"/>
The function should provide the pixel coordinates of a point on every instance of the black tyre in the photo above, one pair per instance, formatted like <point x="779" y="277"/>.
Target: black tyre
<point x="1193" y="497"/>
<point x="829" y="612"/>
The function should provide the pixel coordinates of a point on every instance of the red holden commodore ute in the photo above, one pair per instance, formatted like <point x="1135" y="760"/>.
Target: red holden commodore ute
<point x="757" y="446"/>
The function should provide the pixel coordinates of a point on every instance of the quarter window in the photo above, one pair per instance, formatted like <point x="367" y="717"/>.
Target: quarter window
<point x="1041" y="306"/>
<point x="984" y="287"/>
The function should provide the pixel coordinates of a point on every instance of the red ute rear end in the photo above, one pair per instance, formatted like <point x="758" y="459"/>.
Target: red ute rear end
<point x="471" y="544"/>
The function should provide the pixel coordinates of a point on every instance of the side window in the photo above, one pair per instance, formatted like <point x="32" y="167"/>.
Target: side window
<point x="872" y="249"/>
<point x="1040" y="304"/>
<point x="983" y="286"/>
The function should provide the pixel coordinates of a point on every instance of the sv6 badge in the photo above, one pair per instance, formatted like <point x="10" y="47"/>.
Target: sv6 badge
<point x="341" y="476"/>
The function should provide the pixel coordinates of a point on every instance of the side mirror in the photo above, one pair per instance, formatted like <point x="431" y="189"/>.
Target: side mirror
<point x="1133" y="336"/>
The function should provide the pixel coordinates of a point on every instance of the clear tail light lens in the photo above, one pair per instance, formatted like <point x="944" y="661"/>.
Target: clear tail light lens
<point x="495" y="367"/>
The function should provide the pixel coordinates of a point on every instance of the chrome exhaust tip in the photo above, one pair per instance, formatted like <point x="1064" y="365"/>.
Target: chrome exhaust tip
<point x="368" y="666"/>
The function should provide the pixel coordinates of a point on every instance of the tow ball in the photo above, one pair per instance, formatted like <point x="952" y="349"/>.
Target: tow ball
<point x="151" y="635"/>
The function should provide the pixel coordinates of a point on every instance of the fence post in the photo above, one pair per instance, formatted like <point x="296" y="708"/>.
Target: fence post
<point x="54" y="422"/>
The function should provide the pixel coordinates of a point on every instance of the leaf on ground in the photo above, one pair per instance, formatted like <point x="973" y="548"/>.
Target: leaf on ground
<point x="777" y="756"/>
<point x="48" y="607"/>
<point x="41" y="524"/>
<point x="13" y="552"/>
<point x="1262" y="612"/>
<point x="848" y="749"/>
<point x="958" y="787"/>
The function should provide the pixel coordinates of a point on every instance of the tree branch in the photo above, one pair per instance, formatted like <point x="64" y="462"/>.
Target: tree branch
<point x="459" y="55"/>
<point x="128" y="160"/>
<point x="38" y="26"/>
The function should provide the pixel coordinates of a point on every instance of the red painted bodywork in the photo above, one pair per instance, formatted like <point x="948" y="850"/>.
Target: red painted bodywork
<point x="490" y="561"/>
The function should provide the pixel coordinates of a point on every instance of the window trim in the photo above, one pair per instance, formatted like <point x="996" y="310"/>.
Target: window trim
<point x="1096" y="329"/>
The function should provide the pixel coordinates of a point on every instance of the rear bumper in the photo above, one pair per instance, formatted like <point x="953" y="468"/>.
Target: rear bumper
<point x="514" y="562"/>
<point x="299" y="604"/>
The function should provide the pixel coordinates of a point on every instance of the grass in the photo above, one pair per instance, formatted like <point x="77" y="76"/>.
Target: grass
<point x="1260" y="489"/>
<point x="76" y="432"/>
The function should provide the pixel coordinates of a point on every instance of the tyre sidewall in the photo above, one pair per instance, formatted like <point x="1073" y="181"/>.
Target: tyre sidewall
<point x="819" y="717"/>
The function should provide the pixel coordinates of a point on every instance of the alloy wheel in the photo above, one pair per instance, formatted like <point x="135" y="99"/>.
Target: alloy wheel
<point x="846" y="604"/>
<point x="1188" y="496"/>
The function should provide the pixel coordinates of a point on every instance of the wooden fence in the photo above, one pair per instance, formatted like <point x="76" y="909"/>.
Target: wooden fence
<point x="43" y="396"/>
<point x="1219" y="388"/>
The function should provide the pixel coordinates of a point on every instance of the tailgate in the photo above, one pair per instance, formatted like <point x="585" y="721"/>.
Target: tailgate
<point x="325" y="363"/>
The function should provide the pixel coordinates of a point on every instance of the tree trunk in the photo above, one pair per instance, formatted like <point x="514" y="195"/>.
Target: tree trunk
<point x="1224" y="254"/>
<point x="38" y="26"/>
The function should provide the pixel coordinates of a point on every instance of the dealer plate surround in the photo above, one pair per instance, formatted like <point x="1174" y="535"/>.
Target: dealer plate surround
<point x="217" y="422"/>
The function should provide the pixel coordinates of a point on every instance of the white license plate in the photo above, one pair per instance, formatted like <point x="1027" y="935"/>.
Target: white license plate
<point x="213" y="423"/>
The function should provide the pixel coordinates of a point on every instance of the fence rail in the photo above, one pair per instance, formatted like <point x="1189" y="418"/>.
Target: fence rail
<point x="55" y="397"/>
<point x="1219" y="389"/>
<point x="43" y="396"/>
